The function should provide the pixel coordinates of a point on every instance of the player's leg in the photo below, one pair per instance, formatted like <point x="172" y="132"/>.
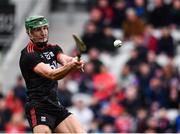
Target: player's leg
<point x="69" y="125"/>
<point x="41" y="129"/>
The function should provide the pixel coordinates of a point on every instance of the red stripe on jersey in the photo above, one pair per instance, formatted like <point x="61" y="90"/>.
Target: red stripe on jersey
<point x="33" y="117"/>
<point x="30" y="47"/>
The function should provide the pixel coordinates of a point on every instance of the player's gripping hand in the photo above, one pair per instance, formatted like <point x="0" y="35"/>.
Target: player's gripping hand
<point x="78" y="64"/>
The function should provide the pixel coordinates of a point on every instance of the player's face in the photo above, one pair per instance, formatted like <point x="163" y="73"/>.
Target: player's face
<point x="39" y="34"/>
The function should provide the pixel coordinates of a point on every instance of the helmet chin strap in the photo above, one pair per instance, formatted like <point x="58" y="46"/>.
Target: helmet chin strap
<point x="41" y="44"/>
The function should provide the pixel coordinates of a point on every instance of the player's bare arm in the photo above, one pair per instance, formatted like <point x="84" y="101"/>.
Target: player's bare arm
<point x="63" y="59"/>
<point x="56" y="74"/>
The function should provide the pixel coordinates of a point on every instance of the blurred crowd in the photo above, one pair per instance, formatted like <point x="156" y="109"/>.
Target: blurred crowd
<point x="144" y="94"/>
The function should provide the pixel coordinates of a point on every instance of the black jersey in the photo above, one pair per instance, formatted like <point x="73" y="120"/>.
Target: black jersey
<point x="39" y="87"/>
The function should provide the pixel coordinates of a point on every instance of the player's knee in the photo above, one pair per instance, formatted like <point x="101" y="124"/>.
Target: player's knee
<point x="41" y="129"/>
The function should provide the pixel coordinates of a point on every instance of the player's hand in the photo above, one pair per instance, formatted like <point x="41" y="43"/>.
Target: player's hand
<point x="77" y="64"/>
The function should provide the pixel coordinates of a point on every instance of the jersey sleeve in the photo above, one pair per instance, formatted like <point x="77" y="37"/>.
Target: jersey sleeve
<point x="31" y="60"/>
<point x="57" y="49"/>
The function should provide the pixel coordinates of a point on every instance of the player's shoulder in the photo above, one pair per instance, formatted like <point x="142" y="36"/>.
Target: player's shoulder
<point x="24" y="51"/>
<point x="55" y="47"/>
<point x="28" y="52"/>
<point x="28" y="49"/>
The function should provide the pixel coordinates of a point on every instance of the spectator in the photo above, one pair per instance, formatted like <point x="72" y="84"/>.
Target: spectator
<point x="82" y="111"/>
<point x="152" y="125"/>
<point x="127" y="77"/>
<point x="113" y="108"/>
<point x="131" y="102"/>
<point x="133" y="62"/>
<point x="20" y="90"/>
<point x="94" y="126"/>
<point x="104" y="83"/>
<point x="157" y="93"/>
<point x="132" y="25"/>
<point x="170" y="72"/>
<point x="86" y="81"/>
<point x="94" y="58"/>
<point x="124" y="123"/>
<point x="106" y="10"/>
<point x="91" y="36"/>
<point x="13" y="103"/>
<point x="151" y="60"/>
<point x="163" y="121"/>
<point x="96" y="17"/>
<point x="175" y="14"/>
<point x="129" y="3"/>
<point x="140" y="47"/>
<point x="104" y="118"/>
<point x="5" y="114"/>
<point x="140" y="8"/>
<point x="106" y="42"/>
<point x="165" y="43"/>
<point x="144" y="76"/>
<point x="108" y="128"/>
<point x="141" y="118"/>
<point x="16" y="125"/>
<point x="64" y="95"/>
<point x="159" y="16"/>
<point x="173" y="95"/>
<point x="119" y="13"/>
<point x="154" y="108"/>
<point x="149" y="39"/>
